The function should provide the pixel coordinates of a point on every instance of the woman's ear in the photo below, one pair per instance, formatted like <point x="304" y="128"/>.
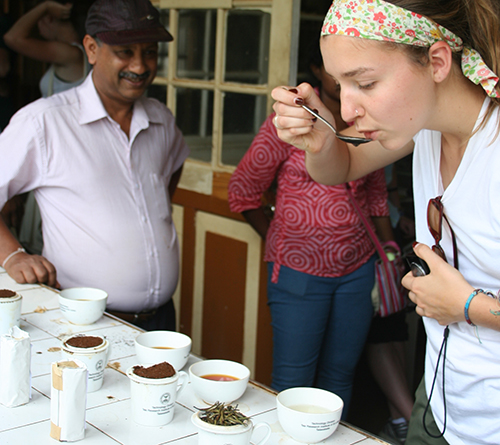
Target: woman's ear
<point x="441" y="60"/>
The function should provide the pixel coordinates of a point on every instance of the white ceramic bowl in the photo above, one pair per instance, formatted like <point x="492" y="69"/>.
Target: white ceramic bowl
<point x="151" y="347"/>
<point x="211" y="391"/>
<point x="82" y="305"/>
<point x="309" y="415"/>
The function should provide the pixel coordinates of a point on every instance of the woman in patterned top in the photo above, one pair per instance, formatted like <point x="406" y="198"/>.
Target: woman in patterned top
<point x="320" y="257"/>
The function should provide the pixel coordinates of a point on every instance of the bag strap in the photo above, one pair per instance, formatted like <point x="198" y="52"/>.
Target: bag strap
<point x="370" y="231"/>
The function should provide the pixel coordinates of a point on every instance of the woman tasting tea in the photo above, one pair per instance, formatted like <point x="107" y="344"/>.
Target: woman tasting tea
<point x="420" y="77"/>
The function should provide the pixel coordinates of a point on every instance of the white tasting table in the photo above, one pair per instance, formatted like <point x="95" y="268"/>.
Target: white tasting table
<point x="108" y="409"/>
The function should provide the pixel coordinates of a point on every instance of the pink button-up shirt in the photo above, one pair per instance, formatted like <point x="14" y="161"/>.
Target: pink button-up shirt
<point x="315" y="228"/>
<point x="102" y="195"/>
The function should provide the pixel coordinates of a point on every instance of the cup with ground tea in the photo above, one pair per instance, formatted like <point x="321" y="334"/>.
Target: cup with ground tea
<point x="93" y="351"/>
<point x="153" y="391"/>
<point x="10" y="310"/>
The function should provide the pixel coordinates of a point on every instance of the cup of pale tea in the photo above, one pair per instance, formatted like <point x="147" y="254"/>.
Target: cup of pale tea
<point x="163" y="346"/>
<point x="219" y="380"/>
<point x="82" y="305"/>
<point x="309" y="415"/>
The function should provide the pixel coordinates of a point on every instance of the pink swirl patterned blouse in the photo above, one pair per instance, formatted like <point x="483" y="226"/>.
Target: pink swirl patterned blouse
<point x="315" y="228"/>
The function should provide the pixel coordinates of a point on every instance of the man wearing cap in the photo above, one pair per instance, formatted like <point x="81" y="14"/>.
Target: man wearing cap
<point x="103" y="162"/>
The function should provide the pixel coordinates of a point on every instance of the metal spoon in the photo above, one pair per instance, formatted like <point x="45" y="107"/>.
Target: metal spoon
<point x="350" y="139"/>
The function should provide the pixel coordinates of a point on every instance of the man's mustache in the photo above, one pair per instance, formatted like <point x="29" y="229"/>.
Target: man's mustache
<point x="134" y="77"/>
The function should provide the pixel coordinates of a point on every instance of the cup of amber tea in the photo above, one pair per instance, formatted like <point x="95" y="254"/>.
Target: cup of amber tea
<point x="218" y="380"/>
<point x="163" y="346"/>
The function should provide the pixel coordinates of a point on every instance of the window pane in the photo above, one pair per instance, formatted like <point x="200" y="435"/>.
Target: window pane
<point x="194" y="117"/>
<point x="243" y="116"/>
<point x="196" y="44"/>
<point x="163" y="46"/>
<point x="247" y="47"/>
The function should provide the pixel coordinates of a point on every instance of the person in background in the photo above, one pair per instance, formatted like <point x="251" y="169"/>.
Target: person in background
<point x="320" y="257"/>
<point x="12" y="212"/>
<point x="61" y="27"/>
<point x="103" y="162"/>
<point x="6" y="102"/>
<point x="385" y="344"/>
<point x="423" y="78"/>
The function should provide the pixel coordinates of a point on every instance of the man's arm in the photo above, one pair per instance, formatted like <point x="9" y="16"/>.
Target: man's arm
<point x="22" y="267"/>
<point x="174" y="180"/>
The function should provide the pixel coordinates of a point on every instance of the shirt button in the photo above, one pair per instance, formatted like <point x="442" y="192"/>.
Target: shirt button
<point x="144" y="219"/>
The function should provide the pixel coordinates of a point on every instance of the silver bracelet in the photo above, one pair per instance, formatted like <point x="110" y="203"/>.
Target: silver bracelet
<point x="11" y="255"/>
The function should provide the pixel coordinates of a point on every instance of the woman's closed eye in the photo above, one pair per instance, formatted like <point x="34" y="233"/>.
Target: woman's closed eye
<point x="366" y="86"/>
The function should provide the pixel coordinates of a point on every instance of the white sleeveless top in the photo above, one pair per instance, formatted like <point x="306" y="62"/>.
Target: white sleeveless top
<point x="51" y="84"/>
<point x="472" y="205"/>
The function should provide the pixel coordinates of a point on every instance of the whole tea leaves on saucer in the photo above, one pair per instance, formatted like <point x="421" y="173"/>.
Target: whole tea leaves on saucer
<point x="221" y="414"/>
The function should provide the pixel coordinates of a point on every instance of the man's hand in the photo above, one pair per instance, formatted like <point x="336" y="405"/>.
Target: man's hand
<point x="25" y="268"/>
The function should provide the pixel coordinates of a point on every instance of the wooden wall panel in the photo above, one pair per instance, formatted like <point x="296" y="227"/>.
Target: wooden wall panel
<point x="216" y="239"/>
<point x="224" y="297"/>
<point x="187" y="271"/>
<point x="264" y="356"/>
<point x="247" y="269"/>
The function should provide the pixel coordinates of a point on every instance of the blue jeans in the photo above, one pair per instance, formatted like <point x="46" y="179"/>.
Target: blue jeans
<point x="319" y="326"/>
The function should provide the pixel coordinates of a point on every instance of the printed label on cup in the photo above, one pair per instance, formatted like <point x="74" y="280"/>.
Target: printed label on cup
<point x="153" y="400"/>
<point x="95" y="359"/>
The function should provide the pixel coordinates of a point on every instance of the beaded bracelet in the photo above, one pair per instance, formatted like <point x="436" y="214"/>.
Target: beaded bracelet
<point x="467" y="304"/>
<point x="11" y="255"/>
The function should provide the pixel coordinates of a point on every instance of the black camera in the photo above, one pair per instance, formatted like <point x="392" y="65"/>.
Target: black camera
<point x="418" y="266"/>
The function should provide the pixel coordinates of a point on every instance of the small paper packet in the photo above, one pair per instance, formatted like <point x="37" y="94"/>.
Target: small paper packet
<point x="15" y="368"/>
<point x="68" y="400"/>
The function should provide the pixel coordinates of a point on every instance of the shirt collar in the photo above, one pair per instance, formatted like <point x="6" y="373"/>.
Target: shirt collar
<point x="92" y="108"/>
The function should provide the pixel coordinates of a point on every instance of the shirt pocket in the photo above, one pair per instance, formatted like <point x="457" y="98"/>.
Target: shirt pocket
<point x="162" y="198"/>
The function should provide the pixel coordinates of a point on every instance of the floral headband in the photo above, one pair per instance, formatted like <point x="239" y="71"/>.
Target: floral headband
<point x="380" y="20"/>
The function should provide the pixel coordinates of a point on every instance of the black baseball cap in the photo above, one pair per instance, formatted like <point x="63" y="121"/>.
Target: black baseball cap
<point x="123" y="22"/>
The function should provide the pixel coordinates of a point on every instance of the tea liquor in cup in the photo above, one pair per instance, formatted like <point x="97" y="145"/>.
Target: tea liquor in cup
<point x="163" y="346"/>
<point x="82" y="305"/>
<point x="218" y="380"/>
<point x="309" y="415"/>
